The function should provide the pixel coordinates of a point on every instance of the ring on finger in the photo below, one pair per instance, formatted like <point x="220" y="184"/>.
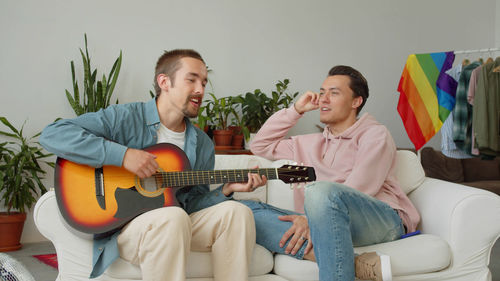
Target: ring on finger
<point x="303" y="238"/>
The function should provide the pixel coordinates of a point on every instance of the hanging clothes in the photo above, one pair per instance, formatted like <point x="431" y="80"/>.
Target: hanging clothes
<point x="470" y="99"/>
<point x="486" y="113"/>
<point x="448" y="146"/>
<point x="462" y="113"/>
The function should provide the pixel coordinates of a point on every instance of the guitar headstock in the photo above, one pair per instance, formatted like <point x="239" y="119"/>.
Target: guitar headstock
<point x="293" y="174"/>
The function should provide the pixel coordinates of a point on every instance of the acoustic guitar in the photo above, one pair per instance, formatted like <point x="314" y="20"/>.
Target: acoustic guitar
<point x="99" y="200"/>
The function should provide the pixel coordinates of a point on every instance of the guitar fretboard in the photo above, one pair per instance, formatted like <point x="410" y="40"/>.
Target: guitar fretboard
<point x="186" y="178"/>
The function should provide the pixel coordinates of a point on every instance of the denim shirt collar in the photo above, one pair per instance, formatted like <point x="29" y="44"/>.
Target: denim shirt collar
<point x="152" y="115"/>
<point x="190" y="143"/>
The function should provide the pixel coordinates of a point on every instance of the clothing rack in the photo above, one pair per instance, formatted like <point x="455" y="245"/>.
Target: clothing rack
<point x="477" y="51"/>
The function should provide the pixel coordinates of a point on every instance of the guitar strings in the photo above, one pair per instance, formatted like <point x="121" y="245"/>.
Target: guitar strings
<point x="203" y="176"/>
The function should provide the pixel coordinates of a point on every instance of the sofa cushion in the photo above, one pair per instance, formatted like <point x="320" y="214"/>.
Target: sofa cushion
<point x="420" y="254"/>
<point x="476" y="169"/>
<point x="409" y="171"/>
<point x="439" y="166"/>
<point x="261" y="263"/>
<point x="224" y="162"/>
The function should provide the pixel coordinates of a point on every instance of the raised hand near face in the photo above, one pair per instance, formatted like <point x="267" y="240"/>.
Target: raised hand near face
<point x="307" y="102"/>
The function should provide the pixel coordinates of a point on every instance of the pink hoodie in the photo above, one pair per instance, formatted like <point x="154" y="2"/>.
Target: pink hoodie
<point x="362" y="157"/>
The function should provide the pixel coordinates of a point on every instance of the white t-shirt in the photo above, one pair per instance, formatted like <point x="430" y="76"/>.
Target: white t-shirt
<point x="167" y="135"/>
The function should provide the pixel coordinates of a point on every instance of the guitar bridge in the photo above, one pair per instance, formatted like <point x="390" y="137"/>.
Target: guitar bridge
<point x="99" y="188"/>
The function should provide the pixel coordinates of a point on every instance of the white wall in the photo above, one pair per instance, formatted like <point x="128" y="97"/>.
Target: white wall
<point x="497" y="24"/>
<point x="248" y="44"/>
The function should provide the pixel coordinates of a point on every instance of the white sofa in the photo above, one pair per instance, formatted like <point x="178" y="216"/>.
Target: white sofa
<point x="459" y="224"/>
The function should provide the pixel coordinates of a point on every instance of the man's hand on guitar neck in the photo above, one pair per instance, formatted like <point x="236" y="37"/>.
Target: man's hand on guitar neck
<point x="140" y="162"/>
<point x="254" y="181"/>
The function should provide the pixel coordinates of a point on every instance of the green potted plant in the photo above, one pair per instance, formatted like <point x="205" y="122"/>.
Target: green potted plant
<point x="257" y="107"/>
<point x="96" y="93"/>
<point x="280" y="98"/>
<point x="220" y="110"/>
<point x="238" y="124"/>
<point x="204" y="118"/>
<point x="20" y="182"/>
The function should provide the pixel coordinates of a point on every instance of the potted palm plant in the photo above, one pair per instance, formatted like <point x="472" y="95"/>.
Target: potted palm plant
<point x="20" y="182"/>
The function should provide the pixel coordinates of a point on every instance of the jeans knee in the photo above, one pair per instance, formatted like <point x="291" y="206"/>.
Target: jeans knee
<point x="321" y="195"/>
<point x="252" y="205"/>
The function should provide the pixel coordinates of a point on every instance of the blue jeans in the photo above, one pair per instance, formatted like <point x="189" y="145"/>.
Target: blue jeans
<point x="340" y="218"/>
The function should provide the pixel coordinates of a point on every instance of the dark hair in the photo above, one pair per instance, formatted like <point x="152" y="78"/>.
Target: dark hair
<point x="169" y="63"/>
<point x="358" y="83"/>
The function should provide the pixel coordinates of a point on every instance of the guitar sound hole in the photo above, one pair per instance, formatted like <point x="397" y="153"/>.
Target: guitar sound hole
<point x="149" y="184"/>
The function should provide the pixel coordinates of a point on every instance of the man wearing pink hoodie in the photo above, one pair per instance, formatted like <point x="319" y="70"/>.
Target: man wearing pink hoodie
<point x="356" y="200"/>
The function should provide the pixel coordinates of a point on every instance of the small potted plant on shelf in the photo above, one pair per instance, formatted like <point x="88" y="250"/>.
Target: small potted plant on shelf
<point x="20" y="182"/>
<point x="238" y="126"/>
<point x="220" y="109"/>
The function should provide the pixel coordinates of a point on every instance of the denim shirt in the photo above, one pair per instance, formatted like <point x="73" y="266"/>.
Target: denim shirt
<point x="101" y="138"/>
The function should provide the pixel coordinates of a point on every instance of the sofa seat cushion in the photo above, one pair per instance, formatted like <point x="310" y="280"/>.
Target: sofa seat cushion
<point x="262" y="263"/>
<point x="419" y="254"/>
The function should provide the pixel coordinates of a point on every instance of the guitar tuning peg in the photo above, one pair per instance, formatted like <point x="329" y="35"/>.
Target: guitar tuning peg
<point x="291" y="186"/>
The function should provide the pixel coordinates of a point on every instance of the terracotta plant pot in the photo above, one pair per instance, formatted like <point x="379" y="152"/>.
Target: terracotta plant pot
<point x="237" y="141"/>
<point x="11" y="228"/>
<point x="237" y="137"/>
<point x="223" y="137"/>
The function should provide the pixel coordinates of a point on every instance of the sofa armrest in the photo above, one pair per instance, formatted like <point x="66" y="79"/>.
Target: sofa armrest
<point x="467" y="218"/>
<point x="74" y="249"/>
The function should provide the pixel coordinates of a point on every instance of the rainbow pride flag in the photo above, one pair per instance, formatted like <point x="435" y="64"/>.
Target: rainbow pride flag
<point x="424" y="105"/>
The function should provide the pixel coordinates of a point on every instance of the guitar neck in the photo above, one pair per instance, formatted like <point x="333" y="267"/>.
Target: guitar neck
<point x="187" y="178"/>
